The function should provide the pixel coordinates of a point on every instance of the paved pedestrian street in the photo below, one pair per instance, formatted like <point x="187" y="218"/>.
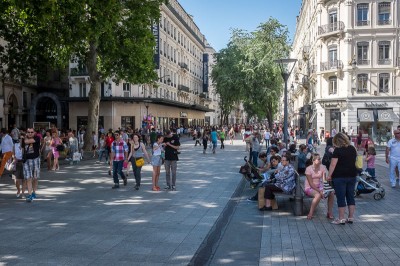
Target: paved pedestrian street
<point x="79" y="220"/>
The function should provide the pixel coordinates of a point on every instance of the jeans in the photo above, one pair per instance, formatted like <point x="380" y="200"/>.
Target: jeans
<point x="344" y="190"/>
<point x="266" y="143"/>
<point x="222" y="144"/>
<point x="255" y="158"/>
<point x="371" y="171"/>
<point x="170" y="166"/>
<point x="101" y="153"/>
<point x="393" y="162"/>
<point x="117" y="170"/>
<point x="137" y="171"/>
<point x="214" y="145"/>
<point x="72" y="150"/>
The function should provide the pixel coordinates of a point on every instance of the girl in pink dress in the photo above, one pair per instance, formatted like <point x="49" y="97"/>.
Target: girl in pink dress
<point x="314" y="186"/>
<point x="54" y="143"/>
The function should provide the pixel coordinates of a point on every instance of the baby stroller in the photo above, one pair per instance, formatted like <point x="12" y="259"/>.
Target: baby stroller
<point x="365" y="184"/>
<point x="250" y="173"/>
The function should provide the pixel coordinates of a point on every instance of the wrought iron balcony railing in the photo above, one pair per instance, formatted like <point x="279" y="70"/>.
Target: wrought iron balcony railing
<point x="331" y="28"/>
<point x="331" y="65"/>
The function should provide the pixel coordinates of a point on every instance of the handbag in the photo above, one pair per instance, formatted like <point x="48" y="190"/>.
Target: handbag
<point x="139" y="162"/>
<point x="359" y="162"/>
<point x="60" y="147"/>
<point x="10" y="165"/>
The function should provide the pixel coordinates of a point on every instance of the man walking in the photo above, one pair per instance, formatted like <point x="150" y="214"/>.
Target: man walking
<point x="392" y="155"/>
<point x="119" y="154"/>
<point x="6" y="148"/>
<point x="171" y="158"/>
<point x="31" y="146"/>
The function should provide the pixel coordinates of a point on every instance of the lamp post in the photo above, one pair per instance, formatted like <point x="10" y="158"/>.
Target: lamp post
<point x="286" y="66"/>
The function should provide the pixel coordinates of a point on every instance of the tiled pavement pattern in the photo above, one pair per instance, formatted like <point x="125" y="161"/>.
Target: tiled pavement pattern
<point x="79" y="220"/>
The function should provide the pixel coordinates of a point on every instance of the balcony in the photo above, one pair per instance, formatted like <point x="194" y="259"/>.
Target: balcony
<point x="76" y="72"/>
<point x="362" y="23"/>
<point x="183" y="88"/>
<point x="203" y="95"/>
<point x="324" y="2"/>
<point x="183" y="66"/>
<point x="384" y="61"/>
<point x="331" y="29"/>
<point x="331" y="65"/>
<point x="363" y="62"/>
<point x="384" y="22"/>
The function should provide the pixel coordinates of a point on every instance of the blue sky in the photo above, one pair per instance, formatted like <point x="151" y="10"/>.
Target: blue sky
<point x="215" y="18"/>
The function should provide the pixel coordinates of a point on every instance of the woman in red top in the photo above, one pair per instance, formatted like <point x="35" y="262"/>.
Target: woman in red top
<point x="109" y="140"/>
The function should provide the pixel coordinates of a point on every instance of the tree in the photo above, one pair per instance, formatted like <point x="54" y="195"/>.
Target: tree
<point x="112" y="38"/>
<point x="245" y="71"/>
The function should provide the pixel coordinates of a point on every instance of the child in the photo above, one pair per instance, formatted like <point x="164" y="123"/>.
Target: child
<point x="370" y="159"/>
<point x="156" y="161"/>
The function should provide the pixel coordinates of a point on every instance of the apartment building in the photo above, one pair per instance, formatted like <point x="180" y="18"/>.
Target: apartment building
<point x="180" y="96"/>
<point x="348" y="72"/>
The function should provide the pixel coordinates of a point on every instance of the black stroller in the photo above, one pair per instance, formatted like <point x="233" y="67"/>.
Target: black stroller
<point x="250" y="173"/>
<point x="365" y="184"/>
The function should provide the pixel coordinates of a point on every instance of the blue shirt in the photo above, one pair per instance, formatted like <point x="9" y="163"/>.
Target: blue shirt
<point x="214" y="136"/>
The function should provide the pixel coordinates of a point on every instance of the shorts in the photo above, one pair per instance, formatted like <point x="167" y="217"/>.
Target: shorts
<point x="19" y="170"/>
<point x="32" y="168"/>
<point x="156" y="160"/>
<point x="309" y="191"/>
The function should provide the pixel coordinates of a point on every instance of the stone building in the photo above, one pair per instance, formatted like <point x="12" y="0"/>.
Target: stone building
<point x="180" y="96"/>
<point x="348" y="72"/>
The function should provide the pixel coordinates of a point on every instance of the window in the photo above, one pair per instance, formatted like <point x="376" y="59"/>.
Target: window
<point x="333" y="25"/>
<point x="362" y="83"/>
<point x="24" y="99"/>
<point x="82" y="90"/>
<point x="384" y="13"/>
<point x="332" y="85"/>
<point x="384" y="49"/>
<point x="126" y="89"/>
<point x="127" y="121"/>
<point x="362" y="15"/>
<point x="384" y="82"/>
<point x="362" y="53"/>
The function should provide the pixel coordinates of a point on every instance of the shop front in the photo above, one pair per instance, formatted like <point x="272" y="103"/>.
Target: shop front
<point x="377" y="123"/>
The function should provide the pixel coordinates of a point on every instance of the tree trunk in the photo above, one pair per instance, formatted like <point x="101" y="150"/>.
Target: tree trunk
<point x="94" y="96"/>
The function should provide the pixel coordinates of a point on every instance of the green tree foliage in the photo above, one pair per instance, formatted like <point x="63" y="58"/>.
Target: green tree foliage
<point x="250" y="71"/>
<point x="111" y="38"/>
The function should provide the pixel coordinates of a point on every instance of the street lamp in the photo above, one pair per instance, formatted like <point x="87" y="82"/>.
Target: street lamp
<point x="286" y="66"/>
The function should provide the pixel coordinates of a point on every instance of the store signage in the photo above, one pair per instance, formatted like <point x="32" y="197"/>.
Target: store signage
<point x="205" y="72"/>
<point x="371" y="104"/>
<point x="156" y="33"/>
<point x="329" y="105"/>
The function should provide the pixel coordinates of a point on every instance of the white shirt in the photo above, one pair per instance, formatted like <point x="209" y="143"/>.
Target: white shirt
<point x="157" y="151"/>
<point x="6" y="144"/>
<point x="267" y="135"/>
<point x="394" y="147"/>
<point x="18" y="151"/>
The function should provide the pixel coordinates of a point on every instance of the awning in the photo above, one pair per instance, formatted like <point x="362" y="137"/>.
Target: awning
<point x="312" y="117"/>
<point x="386" y="115"/>
<point x="366" y="115"/>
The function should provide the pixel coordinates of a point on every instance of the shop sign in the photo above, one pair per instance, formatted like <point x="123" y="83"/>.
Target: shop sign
<point x="371" y="104"/>
<point x="183" y="114"/>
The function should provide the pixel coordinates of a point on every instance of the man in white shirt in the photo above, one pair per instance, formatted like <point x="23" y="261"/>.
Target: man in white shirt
<point x="267" y="137"/>
<point x="392" y="155"/>
<point x="6" y="149"/>
<point x="15" y="134"/>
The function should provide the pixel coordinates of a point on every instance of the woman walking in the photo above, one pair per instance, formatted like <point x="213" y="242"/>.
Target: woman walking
<point x="56" y="141"/>
<point x="47" y="150"/>
<point x="138" y="151"/>
<point x="156" y="161"/>
<point x="342" y="171"/>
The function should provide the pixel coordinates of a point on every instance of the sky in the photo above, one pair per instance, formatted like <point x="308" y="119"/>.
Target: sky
<point x="216" y="18"/>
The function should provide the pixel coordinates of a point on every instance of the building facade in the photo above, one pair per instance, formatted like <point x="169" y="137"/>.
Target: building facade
<point x="348" y="72"/>
<point x="179" y="97"/>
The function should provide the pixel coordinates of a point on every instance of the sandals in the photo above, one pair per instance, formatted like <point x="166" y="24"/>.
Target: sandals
<point x="329" y="216"/>
<point x="337" y="221"/>
<point x="350" y="220"/>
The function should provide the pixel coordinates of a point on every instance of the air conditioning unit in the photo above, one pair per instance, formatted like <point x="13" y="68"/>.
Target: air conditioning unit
<point x="127" y="94"/>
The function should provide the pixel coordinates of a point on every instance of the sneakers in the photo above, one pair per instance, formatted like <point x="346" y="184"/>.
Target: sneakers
<point x="252" y="199"/>
<point x="67" y="159"/>
<point x="137" y="187"/>
<point x="167" y="187"/>
<point x="29" y="198"/>
<point x="173" y="188"/>
<point x="115" y="186"/>
<point x="33" y="195"/>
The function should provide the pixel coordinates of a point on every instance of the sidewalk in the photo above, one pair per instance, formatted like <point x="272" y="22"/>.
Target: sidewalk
<point x="79" y="220"/>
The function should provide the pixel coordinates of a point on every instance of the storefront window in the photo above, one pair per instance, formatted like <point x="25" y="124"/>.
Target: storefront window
<point x="82" y="121"/>
<point x="127" y="121"/>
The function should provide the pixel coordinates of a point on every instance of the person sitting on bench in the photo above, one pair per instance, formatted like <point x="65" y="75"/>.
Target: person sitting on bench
<point x="285" y="181"/>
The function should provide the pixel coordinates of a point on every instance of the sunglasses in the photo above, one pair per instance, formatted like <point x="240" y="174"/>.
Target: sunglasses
<point x="30" y="132"/>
